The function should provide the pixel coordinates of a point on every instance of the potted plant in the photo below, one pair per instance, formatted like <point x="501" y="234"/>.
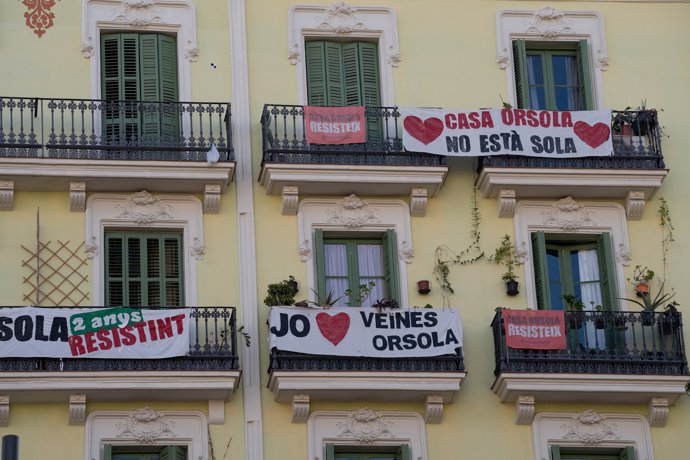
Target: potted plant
<point x="324" y="301"/>
<point x="383" y="304"/>
<point x="640" y="279"/>
<point x="282" y="293"/>
<point x="505" y="255"/>
<point x="576" y="309"/>
<point x="650" y="303"/>
<point x="423" y="286"/>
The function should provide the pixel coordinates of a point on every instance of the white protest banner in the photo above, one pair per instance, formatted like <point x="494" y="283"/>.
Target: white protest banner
<point x="365" y="332"/>
<point x="536" y="133"/>
<point x="124" y="333"/>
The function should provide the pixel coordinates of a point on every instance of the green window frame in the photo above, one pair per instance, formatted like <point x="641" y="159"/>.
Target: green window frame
<point x="334" y="452"/>
<point x="548" y="76"/>
<point x="140" y="67"/>
<point x="144" y="269"/>
<point x="343" y="74"/>
<point x="560" y="453"/>
<point x="111" y="452"/>
<point x="544" y="282"/>
<point x="388" y="275"/>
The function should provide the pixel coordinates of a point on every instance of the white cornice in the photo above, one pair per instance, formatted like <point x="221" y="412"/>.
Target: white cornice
<point x="117" y="386"/>
<point x="302" y="388"/>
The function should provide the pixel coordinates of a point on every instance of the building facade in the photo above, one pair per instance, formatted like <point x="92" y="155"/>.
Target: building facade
<point x="155" y="153"/>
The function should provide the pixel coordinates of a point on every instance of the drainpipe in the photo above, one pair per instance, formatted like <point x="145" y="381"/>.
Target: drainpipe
<point x="10" y="447"/>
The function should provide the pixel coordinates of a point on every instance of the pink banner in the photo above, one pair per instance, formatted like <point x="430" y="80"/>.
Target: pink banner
<point x="536" y="329"/>
<point x="335" y="125"/>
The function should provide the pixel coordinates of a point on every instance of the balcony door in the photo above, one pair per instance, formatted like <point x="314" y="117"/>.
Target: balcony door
<point x="140" y="90"/>
<point x="345" y="74"/>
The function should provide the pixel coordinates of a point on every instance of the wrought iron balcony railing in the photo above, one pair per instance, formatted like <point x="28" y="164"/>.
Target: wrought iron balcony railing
<point x="213" y="346"/>
<point x="284" y="141"/>
<point x="113" y="130"/>
<point x="291" y="361"/>
<point x="639" y="343"/>
<point x="636" y="145"/>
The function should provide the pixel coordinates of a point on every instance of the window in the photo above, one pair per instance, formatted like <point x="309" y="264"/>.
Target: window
<point x="348" y="453"/>
<point x="582" y="268"/>
<point x="143" y="269"/>
<point x="158" y="453"/>
<point x="559" y="453"/>
<point x="139" y="67"/>
<point x="554" y="77"/>
<point x="344" y="263"/>
<point x="344" y="74"/>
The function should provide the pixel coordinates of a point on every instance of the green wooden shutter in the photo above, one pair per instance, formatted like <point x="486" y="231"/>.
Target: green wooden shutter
<point x="555" y="453"/>
<point x="521" y="78"/>
<point x="390" y="265"/>
<point x="107" y="452"/>
<point x="320" y="258"/>
<point x="120" y="82"/>
<point x="370" y="88"/>
<point x="541" y="274"/>
<point x="144" y="269"/>
<point x="403" y="452"/>
<point x="167" y="65"/>
<point x="114" y="270"/>
<point x="607" y="273"/>
<point x="352" y="74"/>
<point x="628" y="453"/>
<point x="330" y="452"/>
<point x="150" y="87"/>
<point x="335" y="88"/>
<point x="584" y="80"/>
<point x="173" y="453"/>
<point x="316" y="73"/>
<point x="615" y="340"/>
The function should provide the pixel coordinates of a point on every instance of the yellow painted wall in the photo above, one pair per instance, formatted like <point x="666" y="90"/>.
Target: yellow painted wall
<point x="448" y="58"/>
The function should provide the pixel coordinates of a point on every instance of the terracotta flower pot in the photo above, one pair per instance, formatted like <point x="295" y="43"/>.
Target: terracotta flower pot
<point x="423" y="286"/>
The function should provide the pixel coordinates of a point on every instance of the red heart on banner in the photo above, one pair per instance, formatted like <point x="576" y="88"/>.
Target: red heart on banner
<point x="424" y="131"/>
<point x="593" y="136"/>
<point x="333" y="328"/>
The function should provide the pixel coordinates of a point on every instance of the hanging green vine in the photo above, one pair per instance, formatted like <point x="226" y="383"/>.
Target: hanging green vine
<point x="446" y="257"/>
<point x="666" y="231"/>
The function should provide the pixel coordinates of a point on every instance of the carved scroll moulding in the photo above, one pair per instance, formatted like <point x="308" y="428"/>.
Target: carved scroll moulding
<point x="353" y="213"/>
<point x="569" y="215"/>
<point x="366" y="426"/>
<point x="146" y="426"/>
<point x="340" y="19"/>
<point x="589" y="428"/>
<point x="144" y="209"/>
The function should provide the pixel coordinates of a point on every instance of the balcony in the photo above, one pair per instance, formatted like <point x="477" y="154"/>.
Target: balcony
<point x="209" y="371"/>
<point x="633" y="173"/>
<point x="611" y="357"/>
<point x="123" y="146"/>
<point x="380" y="167"/>
<point x="365" y="354"/>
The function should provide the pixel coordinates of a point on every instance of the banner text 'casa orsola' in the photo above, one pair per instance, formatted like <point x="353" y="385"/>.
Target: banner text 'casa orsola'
<point x="537" y="133"/>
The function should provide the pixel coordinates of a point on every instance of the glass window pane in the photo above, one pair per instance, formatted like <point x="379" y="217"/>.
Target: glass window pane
<point x="537" y="97"/>
<point x="564" y="70"/>
<point x="336" y="259"/>
<point x="370" y="260"/>
<point x="566" y="98"/>
<point x="535" y="70"/>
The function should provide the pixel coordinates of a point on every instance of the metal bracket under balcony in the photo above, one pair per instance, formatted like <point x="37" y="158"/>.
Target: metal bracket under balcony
<point x="300" y="379"/>
<point x="291" y="167"/>
<point x="633" y="173"/>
